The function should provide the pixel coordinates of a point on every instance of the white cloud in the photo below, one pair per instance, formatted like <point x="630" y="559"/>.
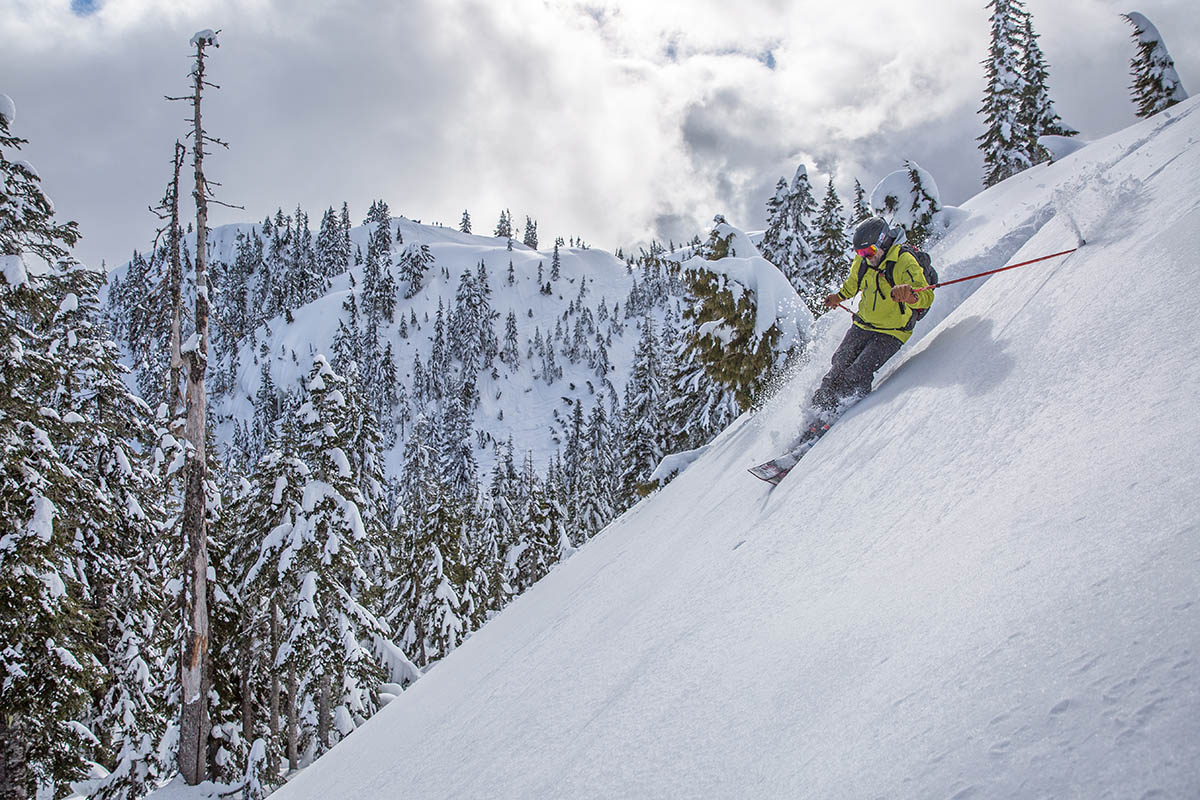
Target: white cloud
<point x="612" y="120"/>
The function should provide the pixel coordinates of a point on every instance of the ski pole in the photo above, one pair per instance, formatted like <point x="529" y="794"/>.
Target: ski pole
<point x="1001" y="269"/>
<point x="984" y="274"/>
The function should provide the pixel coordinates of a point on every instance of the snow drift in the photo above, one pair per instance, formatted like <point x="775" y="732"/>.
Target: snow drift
<point x="983" y="582"/>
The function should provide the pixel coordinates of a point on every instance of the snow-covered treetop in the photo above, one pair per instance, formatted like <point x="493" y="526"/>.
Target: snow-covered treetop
<point x="893" y="194"/>
<point x="1155" y="78"/>
<point x="8" y="109"/>
<point x="909" y="198"/>
<point x="207" y="37"/>
<point x="1145" y="30"/>
<point x="744" y="269"/>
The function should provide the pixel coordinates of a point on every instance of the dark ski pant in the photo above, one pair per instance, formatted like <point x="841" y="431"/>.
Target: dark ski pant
<point x="858" y="357"/>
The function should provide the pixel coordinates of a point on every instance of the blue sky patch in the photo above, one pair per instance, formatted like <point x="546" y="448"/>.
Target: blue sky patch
<point x="84" y="8"/>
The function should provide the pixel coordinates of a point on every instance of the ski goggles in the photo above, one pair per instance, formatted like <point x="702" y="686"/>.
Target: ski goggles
<point x="867" y="252"/>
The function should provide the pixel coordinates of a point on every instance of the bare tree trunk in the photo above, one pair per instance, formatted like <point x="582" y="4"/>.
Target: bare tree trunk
<point x="323" y="716"/>
<point x="247" y="683"/>
<point x="293" y="735"/>
<point x="194" y="723"/>
<point x="14" y="777"/>
<point x="274" y="687"/>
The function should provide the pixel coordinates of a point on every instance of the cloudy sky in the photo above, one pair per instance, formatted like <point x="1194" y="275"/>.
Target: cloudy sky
<point x="612" y="120"/>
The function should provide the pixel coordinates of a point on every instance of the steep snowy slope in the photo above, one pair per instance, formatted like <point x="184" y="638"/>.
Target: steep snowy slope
<point x="984" y="582"/>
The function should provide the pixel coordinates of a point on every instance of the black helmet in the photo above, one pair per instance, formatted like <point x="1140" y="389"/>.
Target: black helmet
<point x="873" y="231"/>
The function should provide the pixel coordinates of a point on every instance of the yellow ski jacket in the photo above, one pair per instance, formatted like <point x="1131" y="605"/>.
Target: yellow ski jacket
<point x="877" y="311"/>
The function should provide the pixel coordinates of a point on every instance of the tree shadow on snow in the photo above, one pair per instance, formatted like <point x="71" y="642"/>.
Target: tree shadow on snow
<point x="967" y="354"/>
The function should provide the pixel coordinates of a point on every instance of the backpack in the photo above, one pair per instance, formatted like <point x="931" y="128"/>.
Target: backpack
<point x="888" y="269"/>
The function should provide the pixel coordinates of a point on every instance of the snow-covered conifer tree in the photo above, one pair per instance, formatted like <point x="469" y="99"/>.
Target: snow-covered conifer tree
<point x="597" y="503"/>
<point x="379" y="284"/>
<point x="110" y="438"/>
<point x="330" y="256"/>
<point x="787" y="242"/>
<point x="543" y="537"/>
<point x="862" y="209"/>
<point x="830" y="250"/>
<point x="464" y="225"/>
<point x="510" y="354"/>
<point x="44" y="645"/>
<point x="1005" y="140"/>
<point x="1156" y="84"/>
<point x="721" y="321"/>
<point x="327" y="614"/>
<point x="504" y="226"/>
<point x="415" y="260"/>
<point x="642" y="415"/>
<point x="379" y="213"/>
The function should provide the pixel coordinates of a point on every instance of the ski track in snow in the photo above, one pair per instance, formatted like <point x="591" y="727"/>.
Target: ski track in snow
<point x="982" y="582"/>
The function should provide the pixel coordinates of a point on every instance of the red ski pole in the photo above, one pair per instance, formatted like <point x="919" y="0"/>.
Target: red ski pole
<point x="985" y="274"/>
<point x="1001" y="269"/>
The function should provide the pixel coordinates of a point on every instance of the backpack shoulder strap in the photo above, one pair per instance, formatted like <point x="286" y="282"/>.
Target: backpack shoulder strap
<point x="889" y="267"/>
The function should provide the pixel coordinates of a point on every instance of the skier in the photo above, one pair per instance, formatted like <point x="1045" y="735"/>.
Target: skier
<point x="889" y="280"/>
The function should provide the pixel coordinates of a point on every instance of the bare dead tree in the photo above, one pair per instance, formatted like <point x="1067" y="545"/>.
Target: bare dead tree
<point x="195" y="677"/>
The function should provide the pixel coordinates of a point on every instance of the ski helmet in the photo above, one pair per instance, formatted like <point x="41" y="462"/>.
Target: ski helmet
<point x="873" y="231"/>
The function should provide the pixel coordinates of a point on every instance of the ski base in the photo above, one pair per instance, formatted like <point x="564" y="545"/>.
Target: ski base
<point x="776" y="469"/>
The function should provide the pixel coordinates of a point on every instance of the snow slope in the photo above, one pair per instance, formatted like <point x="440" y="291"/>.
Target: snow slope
<point x="983" y="582"/>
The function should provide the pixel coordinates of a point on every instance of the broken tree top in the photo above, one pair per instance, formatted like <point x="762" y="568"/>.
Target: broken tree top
<point x="206" y="37"/>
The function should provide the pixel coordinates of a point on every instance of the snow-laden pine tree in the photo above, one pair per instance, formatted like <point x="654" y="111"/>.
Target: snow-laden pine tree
<point x="1005" y="140"/>
<point x="423" y="602"/>
<point x="414" y="261"/>
<point x="267" y="514"/>
<point x="331" y="258"/>
<point x="543" y="535"/>
<point x="787" y="242"/>
<point x="464" y="225"/>
<point x="499" y="525"/>
<point x="740" y="346"/>
<point x="118" y="534"/>
<point x="862" y="209"/>
<point x="830" y="250"/>
<point x="698" y="407"/>
<point x="379" y="283"/>
<point x="597" y="504"/>
<point x="329" y="619"/>
<point x="1156" y="84"/>
<point x="378" y="213"/>
<point x="642" y="428"/>
<point x="504" y="228"/>
<point x="45" y="647"/>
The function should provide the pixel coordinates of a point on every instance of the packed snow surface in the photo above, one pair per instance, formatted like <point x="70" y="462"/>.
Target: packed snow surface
<point x="983" y="582"/>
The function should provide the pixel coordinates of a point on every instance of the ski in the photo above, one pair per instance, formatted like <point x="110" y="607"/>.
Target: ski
<point x="777" y="468"/>
<point x="773" y="471"/>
